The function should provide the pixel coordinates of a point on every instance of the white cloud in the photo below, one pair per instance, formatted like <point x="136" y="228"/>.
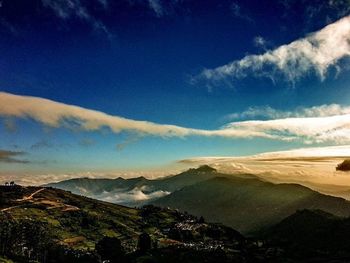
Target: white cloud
<point x="335" y="129"/>
<point x="315" y="53"/>
<point x="132" y="197"/>
<point x="271" y="113"/>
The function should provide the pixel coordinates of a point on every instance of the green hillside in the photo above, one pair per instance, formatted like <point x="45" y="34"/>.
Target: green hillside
<point x="44" y="224"/>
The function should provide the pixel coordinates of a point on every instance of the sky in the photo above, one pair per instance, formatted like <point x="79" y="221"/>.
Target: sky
<point x="131" y="87"/>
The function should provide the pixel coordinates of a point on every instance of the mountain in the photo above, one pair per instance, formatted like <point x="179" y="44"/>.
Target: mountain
<point x="224" y="198"/>
<point x="249" y="204"/>
<point x="135" y="191"/>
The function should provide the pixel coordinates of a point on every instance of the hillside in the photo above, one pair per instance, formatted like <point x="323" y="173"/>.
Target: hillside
<point x="52" y="225"/>
<point x="249" y="204"/>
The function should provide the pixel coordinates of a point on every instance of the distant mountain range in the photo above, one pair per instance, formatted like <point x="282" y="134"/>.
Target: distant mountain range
<point x="243" y="202"/>
<point x="135" y="191"/>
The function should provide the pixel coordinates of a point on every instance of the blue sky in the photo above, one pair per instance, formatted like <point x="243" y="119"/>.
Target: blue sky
<point x="150" y="60"/>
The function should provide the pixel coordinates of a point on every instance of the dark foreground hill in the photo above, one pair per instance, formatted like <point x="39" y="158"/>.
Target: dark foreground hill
<point x="312" y="234"/>
<point x="249" y="204"/>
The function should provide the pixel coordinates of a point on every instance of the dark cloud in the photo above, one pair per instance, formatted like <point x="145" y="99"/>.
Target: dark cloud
<point x="11" y="157"/>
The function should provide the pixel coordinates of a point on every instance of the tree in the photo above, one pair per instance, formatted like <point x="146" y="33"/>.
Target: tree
<point x="344" y="166"/>
<point x="110" y="248"/>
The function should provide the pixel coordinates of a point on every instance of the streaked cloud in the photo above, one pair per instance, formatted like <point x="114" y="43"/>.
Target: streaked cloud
<point x="66" y="9"/>
<point x="316" y="53"/>
<point x="54" y="114"/>
<point x="321" y="129"/>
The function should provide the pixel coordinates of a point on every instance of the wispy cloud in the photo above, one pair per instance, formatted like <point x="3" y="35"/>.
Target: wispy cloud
<point x="267" y="112"/>
<point x="261" y="42"/>
<point x="66" y="9"/>
<point x="315" y="53"/>
<point x="156" y="6"/>
<point x="11" y="157"/>
<point x="238" y="12"/>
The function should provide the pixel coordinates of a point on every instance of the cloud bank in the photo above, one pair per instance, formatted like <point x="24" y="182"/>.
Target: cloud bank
<point x="315" y="53"/>
<point x="321" y="129"/>
<point x="132" y="197"/>
<point x="11" y="157"/>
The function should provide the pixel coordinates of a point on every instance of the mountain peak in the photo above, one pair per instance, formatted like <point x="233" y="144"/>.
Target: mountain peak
<point x="204" y="169"/>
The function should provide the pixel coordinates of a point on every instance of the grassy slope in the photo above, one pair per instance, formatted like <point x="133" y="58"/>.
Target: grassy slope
<point x="77" y="221"/>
